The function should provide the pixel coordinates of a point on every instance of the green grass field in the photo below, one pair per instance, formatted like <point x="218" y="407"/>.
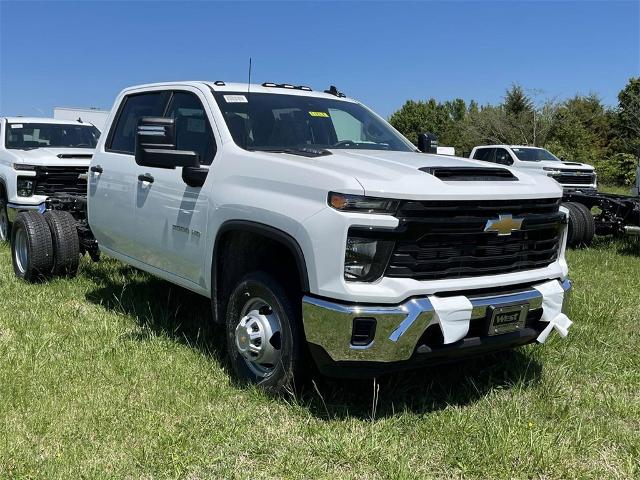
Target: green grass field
<point x="118" y="375"/>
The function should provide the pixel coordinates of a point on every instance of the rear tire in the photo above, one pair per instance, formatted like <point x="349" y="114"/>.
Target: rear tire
<point x="576" y="232"/>
<point x="264" y="336"/>
<point x="5" y="227"/>
<point x="31" y="247"/>
<point x="589" y="224"/>
<point x="66" y="245"/>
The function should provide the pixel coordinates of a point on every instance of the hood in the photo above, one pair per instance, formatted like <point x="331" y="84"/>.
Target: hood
<point x="405" y="175"/>
<point x="53" y="156"/>
<point x="573" y="166"/>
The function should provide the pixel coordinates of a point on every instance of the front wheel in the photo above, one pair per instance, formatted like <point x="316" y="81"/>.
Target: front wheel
<point x="4" y="222"/>
<point x="264" y="338"/>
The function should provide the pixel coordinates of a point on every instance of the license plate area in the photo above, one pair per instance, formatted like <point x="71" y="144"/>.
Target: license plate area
<point x="508" y="318"/>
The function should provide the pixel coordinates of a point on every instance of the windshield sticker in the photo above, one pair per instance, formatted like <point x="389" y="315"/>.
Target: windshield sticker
<point x="16" y="125"/>
<point x="235" y="99"/>
<point x="319" y="114"/>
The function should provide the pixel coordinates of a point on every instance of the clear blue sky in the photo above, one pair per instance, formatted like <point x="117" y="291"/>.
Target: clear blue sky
<point x="383" y="53"/>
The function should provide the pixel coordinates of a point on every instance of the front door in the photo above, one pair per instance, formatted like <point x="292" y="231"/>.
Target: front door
<point x="112" y="174"/>
<point x="171" y="217"/>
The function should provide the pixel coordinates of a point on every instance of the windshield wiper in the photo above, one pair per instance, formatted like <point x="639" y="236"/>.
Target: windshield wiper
<point x="302" y="151"/>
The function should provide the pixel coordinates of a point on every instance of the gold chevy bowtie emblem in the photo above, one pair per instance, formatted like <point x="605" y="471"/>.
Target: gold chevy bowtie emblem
<point x="503" y="225"/>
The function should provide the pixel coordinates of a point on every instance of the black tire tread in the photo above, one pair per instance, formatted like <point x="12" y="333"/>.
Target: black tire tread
<point x="39" y="244"/>
<point x="576" y="225"/>
<point x="66" y="245"/>
<point x="589" y="224"/>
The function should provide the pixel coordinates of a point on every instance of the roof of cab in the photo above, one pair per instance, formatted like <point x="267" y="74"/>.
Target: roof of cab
<point x="509" y="146"/>
<point x="44" y="120"/>
<point x="217" y="86"/>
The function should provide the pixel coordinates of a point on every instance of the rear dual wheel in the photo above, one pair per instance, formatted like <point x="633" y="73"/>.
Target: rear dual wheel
<point x="581" y="225"/>
<point x="44" y="245"/>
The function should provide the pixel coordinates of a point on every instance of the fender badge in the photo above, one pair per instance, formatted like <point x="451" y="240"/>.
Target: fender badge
<point x="503" y="225"/>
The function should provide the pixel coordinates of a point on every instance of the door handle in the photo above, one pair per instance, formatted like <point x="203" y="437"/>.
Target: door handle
<point x="96" y="169"/>
<point x="145" y="177"/>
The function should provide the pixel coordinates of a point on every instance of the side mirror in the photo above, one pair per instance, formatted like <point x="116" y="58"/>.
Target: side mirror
<point x="428" y="143"/>
<point x="156" y="145"/>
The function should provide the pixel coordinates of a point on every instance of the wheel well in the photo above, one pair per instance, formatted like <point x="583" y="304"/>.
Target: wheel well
<point x="3" y="191"/>
<point x="246" y="247"/>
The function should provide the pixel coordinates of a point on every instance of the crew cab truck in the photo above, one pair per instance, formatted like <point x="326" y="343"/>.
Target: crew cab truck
<point x="40" y="157"/>
<point x="571" y="175"/>
<point x="614" y="214"/>
<point x="317" y="230"/>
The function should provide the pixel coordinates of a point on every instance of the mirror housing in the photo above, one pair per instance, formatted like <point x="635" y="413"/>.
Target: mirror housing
<point x="427" y="143"/>
<point x="156" y="145"/>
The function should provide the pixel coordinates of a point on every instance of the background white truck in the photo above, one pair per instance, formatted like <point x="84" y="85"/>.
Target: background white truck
<point x="571" y="175"/>
<point x="40" y="157"/>
<point x="592" y="212"/>
<point x="315" y="229"/>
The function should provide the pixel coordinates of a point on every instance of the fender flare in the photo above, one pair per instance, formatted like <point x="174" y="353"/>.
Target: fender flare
<point x="268" y="231"/>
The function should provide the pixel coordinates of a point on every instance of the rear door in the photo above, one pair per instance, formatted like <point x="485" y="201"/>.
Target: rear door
<point x="171" y="217"/>
<point x="113" y="172"/>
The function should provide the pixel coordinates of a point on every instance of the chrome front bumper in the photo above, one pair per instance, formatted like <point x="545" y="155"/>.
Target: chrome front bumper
<point x="399" y="328"/>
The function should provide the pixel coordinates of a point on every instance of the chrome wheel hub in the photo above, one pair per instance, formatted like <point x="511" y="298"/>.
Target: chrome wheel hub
<point x="4" y="225"/>
<point x="257" y="337"/>
<point x="21" y="250"/>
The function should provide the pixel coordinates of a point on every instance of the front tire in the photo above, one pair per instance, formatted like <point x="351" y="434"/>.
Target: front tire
<point x="264" y="338"/>
<point x="31" y="247"/>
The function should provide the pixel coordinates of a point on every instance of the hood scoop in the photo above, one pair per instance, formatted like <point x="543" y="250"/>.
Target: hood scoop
<point x="470" y="174"/>
<point x="75" y="155"/>
<point x="572" y="163"/>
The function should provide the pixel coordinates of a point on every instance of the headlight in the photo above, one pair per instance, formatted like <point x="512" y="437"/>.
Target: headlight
<point x="19" y="166"/>
<point x="362" y="204"/>
<point x="365" y="259"/>
<point x="25" y="186"/>
<point x="551" y="171"/>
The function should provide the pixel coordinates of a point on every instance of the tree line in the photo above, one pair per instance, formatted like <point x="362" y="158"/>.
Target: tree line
<point x="580" y="128"/>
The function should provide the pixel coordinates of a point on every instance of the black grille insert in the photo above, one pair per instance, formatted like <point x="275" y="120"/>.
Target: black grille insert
<point x="53" y="180"/>
<point x="442" y="240"/>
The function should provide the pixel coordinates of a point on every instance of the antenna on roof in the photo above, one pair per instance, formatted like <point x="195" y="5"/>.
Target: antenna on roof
<point x="246" y="136"/>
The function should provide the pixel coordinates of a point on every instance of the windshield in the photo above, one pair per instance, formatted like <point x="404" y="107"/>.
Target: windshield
<point x="27" y="136"/>
<point x="276" y="122"/>
<point x="535" y="155"/>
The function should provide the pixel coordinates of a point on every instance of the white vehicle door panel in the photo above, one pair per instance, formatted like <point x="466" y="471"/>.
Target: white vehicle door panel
<point x="113" y="174"/>
<point x="170" y="216"/>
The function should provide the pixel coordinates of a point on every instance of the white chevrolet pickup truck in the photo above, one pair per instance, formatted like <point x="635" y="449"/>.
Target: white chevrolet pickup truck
<point x="320" y="234"/>
<point x="40" y="157"/>
<point x="573" y="176"/>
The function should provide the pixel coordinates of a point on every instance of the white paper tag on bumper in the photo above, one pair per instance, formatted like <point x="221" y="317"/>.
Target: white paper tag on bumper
<point x="453" y="315"/>
<point x="552" y="299"/>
